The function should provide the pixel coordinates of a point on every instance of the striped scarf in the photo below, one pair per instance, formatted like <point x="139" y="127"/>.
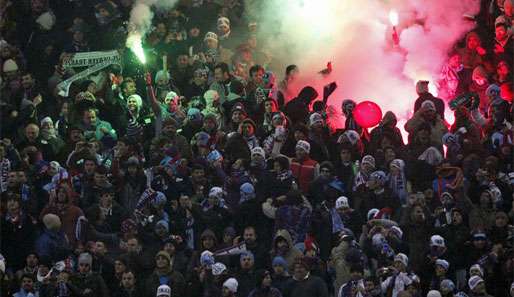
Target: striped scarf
<point x="5" y="168"/>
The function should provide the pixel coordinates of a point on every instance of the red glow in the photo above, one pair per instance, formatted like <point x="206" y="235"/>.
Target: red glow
<point x="367" y="114"/>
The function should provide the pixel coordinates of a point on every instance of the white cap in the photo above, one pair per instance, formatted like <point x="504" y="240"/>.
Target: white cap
<point x="10" y="66"/>
<point x="163" y="290"/>
<point x="402" y="258"/>
<point x="231" y="284"/>
<point x="434" y="293"/>
<point x="437" y="240"/>
<point x="218" y="268"/>
<point x="342" y="202"/>
<point x="303" y="145"/>
<point x="474" y="281"/>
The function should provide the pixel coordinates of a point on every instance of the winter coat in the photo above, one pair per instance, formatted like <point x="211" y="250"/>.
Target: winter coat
<point x="295" y="219"/>
<point x="312" y="286"/>
<point x="246" y="281"/>
<point x="17" y="240"/>
<point x="175" y="281"/>
<point x="92" y="281"/>
<point x="304" y="171"/>
<point x="291" y="254"/>
<point x="52" y="244"/>
<point x="69" y="218"/>
<point x="342" y="267"/>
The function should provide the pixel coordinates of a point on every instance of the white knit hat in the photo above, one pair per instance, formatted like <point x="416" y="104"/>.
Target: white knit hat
<point x="223" y="21"/>
<point x="315" y="118"/>
<point x="46" y="20"/>
<point x="304" y="145"/>
<point x="218" y="268"/>
<point x="342" y="202"/>
<point x="437" y="240"/>
<point x="10" y="66"/>
<point x="434" y="293"/>
<point x="442" y="263"/>
<point x="402" y="258"/>
<point x="231" y="284"/>
<point x="211" y="36"/>
<point x="474" y="281"/>
<point x="163" y="290"/>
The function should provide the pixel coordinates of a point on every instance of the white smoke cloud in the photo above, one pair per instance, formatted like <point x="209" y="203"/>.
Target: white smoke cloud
<point x="141" y="17"/>
<point x="356" y="36"/>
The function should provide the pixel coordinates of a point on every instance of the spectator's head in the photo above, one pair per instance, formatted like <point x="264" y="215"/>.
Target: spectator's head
<point x="479" y="240"/>
<point x="223" y="26"/>
<point x="472" y="40"/>
<point x="162" y="229"/>
<point x="501" y="32"/>
<point x="250" y="235"/>
<point x="32" y="260"/>
<point x="454" y="60"/>
<point x="417" y="215"/>
<point x="128" y="87"/>
<point x="447" y="287"/>
<point x="182" y="61"/>
<point x="279" y="265"/>
<point x="326" y="169"/>
<point x="230" y="287"/>
<point x="85" y="262"/>
<point x="292" y="72"/>
<point x="89" y="117"/>
<point x="120" y="266"/>
<point x="238" y="113"/>
<point x="257" y="74"/>
<point x="247" y="260"/>
<point x="211" y="40"/>
<point x="441" y="267"/>
<point x="133" y="245"/>
<point x="368" y="164"/>
<point x="134" y="103"/>
<point x="27" y="80"/>
<point x="106" y="196"/>
<point x="100" y="177"/>
<point x="301" y="269"/>
<point x="31" y="132"/>
<point x="27" y="282"/>
<point x="281" y="163"/>
<point x="163" y="291"/>
<point x="302" y="149"/>
<point x="476" y="285"/>
<point x="502" y="69"/>
<point x="89" y="166"/>
<point x="263" y="279"/>
<point x="208" y="239"/>
<point x="162" y="260"/>
<point x="128" y="280"/>
<point x="247" y="128"/>
<point x="345" y="153"/>
<point x="370" y="286"/>
<point x="422" y="87"/>
<point x="100" y="249"/>
<point x="479" y="75"/>
<point x="401" y="262"/>
<point x="52" y="222"/>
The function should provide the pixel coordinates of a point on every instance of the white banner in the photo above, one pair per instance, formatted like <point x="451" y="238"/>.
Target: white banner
<point x="91" y="58"/>
<point x="64" y="86"/>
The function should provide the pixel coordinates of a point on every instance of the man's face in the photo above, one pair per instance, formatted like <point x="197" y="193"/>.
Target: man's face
<point x="184" y="201"/>
<point x="170" y="248"/>
<point x="247" y="130"/>
<point x="106" y="199"/>
<point x="132" y="104"/>
<point x="130" y="89"/>
<point x="346" y="155"/>
<point x="84" y="267"/>
<point x="208" y="242"/>
<point x="27" y="284"/>
<point x="500" y="33"/>
<point x="266" y="282"/>
<point x="455" y="61"/>
<point x="200" y="78"/>
<point x="246" y="263"/>
<point x="76" y="135"/>
<point x="257" y="77"/>
<point x="161" y="262"/>
<point x="119" y="267"/>
<point x="237" y="116"/>
<point x="32" y="260"/>
<point x="169" y="129"/>
<point x="457" y="218"/>
<point x="182" y="61"/>
<point x="32" y="132"/>
<point x="473" y="42"/>
<point x="369" y="286"/>
<point x="194" y="32"/>
<point x="279" y="270"/>
<point x="219" y="76"/>
<point x="423" y="136"/>
<point x="132" y="245"/>
<point x="128" y="281"/>
<point x="78" y="36"/>
<point x="300" y="272"/>
<point x="249" y="235"/>
<point x="27" y="81"/>
<point x="21" y="176"/>
<point x="89" y="167"/>
<point x="89" y="118"/>
<point x="356" y="275"/>
<point x="325" y="173"/>
<point x="12" y="179"/>
<point x="198" y="175"/>
<point x="439" y="271"/>
<point x="301" y="154"/>
<point x="100" y="248"/>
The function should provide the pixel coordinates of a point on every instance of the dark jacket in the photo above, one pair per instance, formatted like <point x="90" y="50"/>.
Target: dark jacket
<point x="312" y="286"/>
<point x="175" y="281"/>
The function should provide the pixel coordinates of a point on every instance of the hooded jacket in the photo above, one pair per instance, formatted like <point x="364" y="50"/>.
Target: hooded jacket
<point x="298" y="109"/>
<point x="291" y="254"/>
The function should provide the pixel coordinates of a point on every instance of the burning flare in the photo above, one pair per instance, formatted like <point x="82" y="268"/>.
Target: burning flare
<point x="135" y="43"/>
<point x="393" y="17"/>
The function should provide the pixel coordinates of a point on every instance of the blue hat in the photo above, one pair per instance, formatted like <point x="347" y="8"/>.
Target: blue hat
<point x="194" y="115"/>
<point x="279" y="261"/>
<point x="246" y="254"/>
<point x="214" y="156"/>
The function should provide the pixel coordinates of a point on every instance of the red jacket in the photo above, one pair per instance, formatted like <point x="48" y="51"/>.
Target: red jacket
<point x="304" y="172"/>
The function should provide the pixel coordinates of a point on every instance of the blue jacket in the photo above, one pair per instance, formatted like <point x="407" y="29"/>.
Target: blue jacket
<point x="52" y="244"/>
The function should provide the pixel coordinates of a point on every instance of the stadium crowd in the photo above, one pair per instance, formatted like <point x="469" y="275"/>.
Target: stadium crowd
<point x="205" y="174"/>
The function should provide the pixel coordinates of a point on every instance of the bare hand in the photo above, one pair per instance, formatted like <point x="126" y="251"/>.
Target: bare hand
<point x="37" y="100"/>
<point x="104" y="130"/>
<point x="481" y="51"/>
